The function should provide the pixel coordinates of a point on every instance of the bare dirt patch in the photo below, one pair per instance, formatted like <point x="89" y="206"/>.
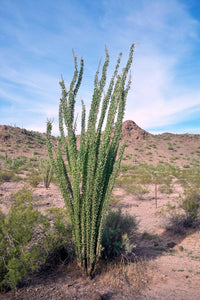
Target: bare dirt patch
<point x="173" y="261"/>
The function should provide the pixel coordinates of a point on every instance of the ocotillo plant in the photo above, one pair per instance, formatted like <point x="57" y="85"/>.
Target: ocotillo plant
<point x="87" y="174"/>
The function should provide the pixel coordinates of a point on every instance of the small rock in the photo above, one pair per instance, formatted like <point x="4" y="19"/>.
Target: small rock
<point x="155" y="244"/>
<point x="171" y="244"/>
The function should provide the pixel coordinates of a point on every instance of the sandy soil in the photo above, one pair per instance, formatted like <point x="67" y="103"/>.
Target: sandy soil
<point x="174" y="259"/>
<point x="176" y="275"/>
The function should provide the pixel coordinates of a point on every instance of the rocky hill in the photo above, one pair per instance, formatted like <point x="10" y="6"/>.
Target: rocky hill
<point x="141" y="146"/>
<point x="17" y="141"/>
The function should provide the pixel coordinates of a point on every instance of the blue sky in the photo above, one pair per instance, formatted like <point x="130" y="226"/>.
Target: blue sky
<point x="37" y="37"/>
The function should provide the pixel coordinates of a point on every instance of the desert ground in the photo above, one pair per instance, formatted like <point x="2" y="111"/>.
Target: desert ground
<point x="167" y="263"/>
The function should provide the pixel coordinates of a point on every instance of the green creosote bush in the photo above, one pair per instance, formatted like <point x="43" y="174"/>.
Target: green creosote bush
<point x="8" y="175"/>
<point x="59" y="241"/>
<point x="186" y="166"/>
<point x="126" y="167"/>
<point x="117" y="234"/>
<point x="191" y="205"/>
<point x="34" y="180"/>
<point x="17" y="229"/>
<point x="16" y="163"/>
<point x="176" y="222"/>
<point x="187" y="214"/>
<point x="166" y="188"/>
<point x="46" y="171"/>
<point x="27" y="238"/>
<point x="137" y="190"/>
<point x="190" y="178"/>
<point x="5" y="176"/>
<point x="87" y="180"/>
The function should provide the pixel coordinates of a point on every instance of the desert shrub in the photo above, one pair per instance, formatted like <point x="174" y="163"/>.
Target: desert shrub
<point x="191" y="205"/>
<point x="15" y="163"/>
<point x="24" y="195"/>
<point x="117" y="233"/>
<point x="134" y="183"/>
<point x="2" y="157"/>
<point x="186" y="166"/>
<point x="137" y="190"/>
<point x="135" y="175"/>
<point x="46" y="171"/>
<point x="149" y="153"/>
<point x="27" y="238"/>
<point x="176" y="222"/>
<point x="166" y="188"/>
<point x="18" y="164"/>
<point x="5" y="176"/>
<point x="8" y="175"/>
<point x="17" y="229"/>
<point x="34" y="178"/>
<point x="186" y="214"/>
<point x="170" y="148"/>
<point x="167" y="138"/>
<point x="59" y="242"/>
<point x="149" y="236"/>
<point x="144" y="178"/>
<point x="189" y="178"/>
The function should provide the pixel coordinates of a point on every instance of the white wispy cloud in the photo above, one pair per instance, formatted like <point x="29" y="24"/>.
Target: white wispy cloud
<point x="156" y="98"/>
<point x="36" y="47"/>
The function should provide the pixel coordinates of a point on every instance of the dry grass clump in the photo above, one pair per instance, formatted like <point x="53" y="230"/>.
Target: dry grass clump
<point x="126" y="275"/>
<point x="115" y="200"/>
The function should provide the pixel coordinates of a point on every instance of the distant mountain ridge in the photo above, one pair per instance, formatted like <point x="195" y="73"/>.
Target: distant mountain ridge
<point x="141" y="146"/>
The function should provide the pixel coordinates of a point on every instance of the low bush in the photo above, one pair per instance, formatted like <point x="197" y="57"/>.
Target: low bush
<point x="34" y="178"/>
<point x="166" y="188"/>
<point x="176" y="223"/>
<point x="27" y="238"/>
<point x="191" y="205"/>
<point x="7" y="175"/>
<point x="46" y="171"/>
<point x="186" y="166"/>
<point x="137" y="190"/>
<point x="117" y="234"/>
<point x="16" y="163"/>
<point x="187" y="214"/>
<point x="17" y="230"/>
<point x="126" y="167"/>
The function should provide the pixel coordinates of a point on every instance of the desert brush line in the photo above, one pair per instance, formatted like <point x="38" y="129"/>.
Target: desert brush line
<point x="86" y="175"/>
